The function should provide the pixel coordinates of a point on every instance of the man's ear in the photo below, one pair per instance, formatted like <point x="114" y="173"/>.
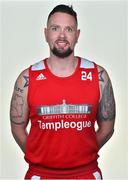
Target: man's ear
<point x="46" y="34"/>
<point x="78" y="34"/>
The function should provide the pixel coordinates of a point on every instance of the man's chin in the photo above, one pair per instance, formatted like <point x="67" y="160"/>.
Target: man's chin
<point x="62" y="53"/>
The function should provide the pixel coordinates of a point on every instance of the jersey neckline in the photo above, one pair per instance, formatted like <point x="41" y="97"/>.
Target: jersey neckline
<point x="66" y="77"/>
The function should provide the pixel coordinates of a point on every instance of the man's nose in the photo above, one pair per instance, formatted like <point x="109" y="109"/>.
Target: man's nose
<point x="62" y="33"/>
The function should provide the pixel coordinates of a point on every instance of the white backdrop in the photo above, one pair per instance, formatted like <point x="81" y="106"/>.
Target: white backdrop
<point x="103" y="39"/>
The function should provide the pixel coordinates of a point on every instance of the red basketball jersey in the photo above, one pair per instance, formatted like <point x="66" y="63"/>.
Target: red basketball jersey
<point x="63" y="114"/>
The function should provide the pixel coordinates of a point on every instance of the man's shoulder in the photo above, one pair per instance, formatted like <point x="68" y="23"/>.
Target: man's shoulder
<point x="89" y="62"/>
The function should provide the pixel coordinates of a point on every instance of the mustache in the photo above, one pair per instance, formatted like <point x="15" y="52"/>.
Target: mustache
<point x="62" y="40"/>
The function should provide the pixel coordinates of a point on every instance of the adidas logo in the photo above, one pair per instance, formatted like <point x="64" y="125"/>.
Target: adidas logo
<point x="40" y="77"/>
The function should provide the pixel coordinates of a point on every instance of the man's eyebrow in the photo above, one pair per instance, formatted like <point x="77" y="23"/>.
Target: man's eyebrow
<point x="73" y="27"/>
<point x="54" y="25"/>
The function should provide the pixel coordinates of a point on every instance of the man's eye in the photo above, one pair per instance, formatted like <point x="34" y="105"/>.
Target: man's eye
<point x="69" y="29"/>
<point x="54" y="28"/>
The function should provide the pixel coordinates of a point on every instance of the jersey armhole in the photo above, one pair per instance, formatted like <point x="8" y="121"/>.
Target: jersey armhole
<point x="96" y="67"/>
<point x="28" y="94"/>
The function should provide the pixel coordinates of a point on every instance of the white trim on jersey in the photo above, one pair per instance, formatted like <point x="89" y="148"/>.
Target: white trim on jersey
<point x="83" y="64"/>
<point x="38" y="66"/>
<point x="86" y="63"/>
<point x="35" y="177"/>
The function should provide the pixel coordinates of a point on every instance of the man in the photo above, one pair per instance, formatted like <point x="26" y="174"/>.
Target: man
<point x="63" y="96"/>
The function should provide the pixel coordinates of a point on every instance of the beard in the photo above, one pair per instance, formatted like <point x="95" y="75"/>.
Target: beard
<point x="60" y="53"/>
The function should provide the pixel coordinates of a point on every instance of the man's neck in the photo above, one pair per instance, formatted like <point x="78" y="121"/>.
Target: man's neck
<point x="62" y="67"/>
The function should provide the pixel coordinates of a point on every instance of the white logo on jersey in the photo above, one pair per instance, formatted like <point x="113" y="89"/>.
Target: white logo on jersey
<point x="65" y="109"/>
<point x="62" y="112"/>
<point x="40" y="77"/>
<point x="86" y="76"/>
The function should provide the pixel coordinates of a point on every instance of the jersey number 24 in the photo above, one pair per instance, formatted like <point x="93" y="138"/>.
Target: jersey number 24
<point x="86" y="76"/>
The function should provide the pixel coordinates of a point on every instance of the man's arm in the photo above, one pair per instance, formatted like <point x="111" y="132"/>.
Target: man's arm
<point x="19" y="111"/>
<point x="106" y="109"/>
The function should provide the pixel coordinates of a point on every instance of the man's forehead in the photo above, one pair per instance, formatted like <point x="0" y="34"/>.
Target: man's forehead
<point x="61" y="17"/>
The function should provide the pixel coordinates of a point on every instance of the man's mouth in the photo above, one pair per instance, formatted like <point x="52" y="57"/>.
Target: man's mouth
<point x="61" y="44"/>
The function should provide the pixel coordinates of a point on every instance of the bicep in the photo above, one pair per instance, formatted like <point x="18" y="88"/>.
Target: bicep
<point x="19" y="110"/>
<point x="106" y="107"/>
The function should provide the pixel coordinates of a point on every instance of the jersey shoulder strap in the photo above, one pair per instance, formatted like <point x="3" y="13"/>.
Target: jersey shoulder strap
<point x="38" y="66"/>
<point x="85" y="63"/>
